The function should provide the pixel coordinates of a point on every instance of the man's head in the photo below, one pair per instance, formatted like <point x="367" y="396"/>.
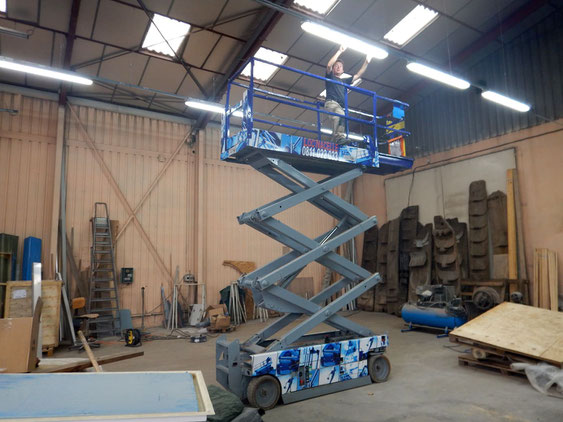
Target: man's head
<point x="338" y="68"/>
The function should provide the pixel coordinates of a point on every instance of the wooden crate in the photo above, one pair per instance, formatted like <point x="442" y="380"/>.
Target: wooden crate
<point x="518" y="329"/>
<point x="19" y="304"/>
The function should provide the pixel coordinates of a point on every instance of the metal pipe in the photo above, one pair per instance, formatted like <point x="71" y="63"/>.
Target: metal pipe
<point x="142" y="308"/>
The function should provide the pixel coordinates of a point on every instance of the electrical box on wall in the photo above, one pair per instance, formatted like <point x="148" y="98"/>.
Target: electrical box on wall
<point x="127" y="275"/>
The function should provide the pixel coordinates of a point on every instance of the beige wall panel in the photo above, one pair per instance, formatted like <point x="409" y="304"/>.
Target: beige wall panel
<point x="27" y="152"/>
<point x="135" y="149"/>
<point x="444" y="190"/>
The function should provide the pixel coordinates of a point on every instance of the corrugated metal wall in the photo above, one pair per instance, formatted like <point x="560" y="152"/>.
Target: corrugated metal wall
<point x="27" y="156"/>
<point x="529" y="68"/>
<point x="135" y="149"/>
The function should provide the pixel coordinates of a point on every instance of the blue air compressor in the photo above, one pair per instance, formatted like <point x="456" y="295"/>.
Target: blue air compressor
<point x="436" y="307"/>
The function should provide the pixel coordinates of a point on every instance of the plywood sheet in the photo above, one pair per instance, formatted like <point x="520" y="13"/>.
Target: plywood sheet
<point x="529" y="331"/>
<point x="19" y="305"/>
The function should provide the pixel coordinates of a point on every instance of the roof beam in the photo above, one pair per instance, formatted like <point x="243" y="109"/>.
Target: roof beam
<point x="178" y="58"/>
<point x="70" y="37"/>
<point x="191" y="24"/>
<point x="267" y="23"/>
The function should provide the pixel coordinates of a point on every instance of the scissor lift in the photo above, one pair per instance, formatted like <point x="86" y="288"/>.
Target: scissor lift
<point x="282" y="158"/>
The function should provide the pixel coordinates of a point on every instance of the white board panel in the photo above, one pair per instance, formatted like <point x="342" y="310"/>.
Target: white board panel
<point x="444" y="190"/>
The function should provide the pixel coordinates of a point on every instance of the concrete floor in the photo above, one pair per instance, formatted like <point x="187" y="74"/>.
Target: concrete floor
<point x="426" y="382"/>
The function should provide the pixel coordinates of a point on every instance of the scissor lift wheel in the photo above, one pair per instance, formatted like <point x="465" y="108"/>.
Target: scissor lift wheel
<point x="264" y="392"/>
<point x="379" y="368"/>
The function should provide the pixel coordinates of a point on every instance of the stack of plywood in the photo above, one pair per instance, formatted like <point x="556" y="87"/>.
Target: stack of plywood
<point x="19" y="305"/>
<point x="512" y="332"/>
<point x="545" y="294"/>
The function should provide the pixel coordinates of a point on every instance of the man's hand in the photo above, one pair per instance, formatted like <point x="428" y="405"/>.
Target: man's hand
<point x="331" y="62"/>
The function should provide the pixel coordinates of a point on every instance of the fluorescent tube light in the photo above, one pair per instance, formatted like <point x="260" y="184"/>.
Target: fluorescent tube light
<point x="13" y="32"/>
<point x="350" y="135"/>
<point x="361" y="113"/>
<point x="212" y="107"/>
<point x="505" y="101"/>
<point x="322" y="7"/>
<point x="344" y="39"/>
<point x="438" y="75"/>
<point x="411" y="25"/>
<point x="39" y="70"/>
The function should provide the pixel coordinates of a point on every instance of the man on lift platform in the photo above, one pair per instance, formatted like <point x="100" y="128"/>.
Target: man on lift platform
<point x="335" y="92"/>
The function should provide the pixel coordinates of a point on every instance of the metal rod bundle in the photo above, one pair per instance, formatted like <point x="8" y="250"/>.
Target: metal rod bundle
<point x="260" y="312"/>
<point x="237" y="309"/>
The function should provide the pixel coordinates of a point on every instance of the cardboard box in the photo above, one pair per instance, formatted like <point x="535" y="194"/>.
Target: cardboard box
<point x="220" y="321"/>
<point x="216" y="310"/>
<point x="18" y="337"/>
<point x="217" y="316"/>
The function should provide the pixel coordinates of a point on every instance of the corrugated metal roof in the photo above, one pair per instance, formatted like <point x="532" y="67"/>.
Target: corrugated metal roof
<point x="528" y="68"/>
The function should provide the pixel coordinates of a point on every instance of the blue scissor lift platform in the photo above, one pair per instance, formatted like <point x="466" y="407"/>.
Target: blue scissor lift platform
<point x="297" y="365"/>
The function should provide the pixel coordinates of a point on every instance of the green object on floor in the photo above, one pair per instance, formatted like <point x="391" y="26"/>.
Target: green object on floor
<point x="227" y="406"/>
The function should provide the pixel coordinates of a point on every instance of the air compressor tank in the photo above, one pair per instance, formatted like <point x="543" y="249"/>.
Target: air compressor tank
<point x="431" y="317"/>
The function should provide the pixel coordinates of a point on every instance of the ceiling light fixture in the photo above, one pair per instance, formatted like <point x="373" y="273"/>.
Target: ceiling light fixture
<point x="208" y="106"/>
<point x="344" y="39"/>
<point x="39" y="70"/>
<point x="13" y="32"/>
<point x="438" y="75"/>
<point x="411" y="25"/>
<point x="505" y="101"/>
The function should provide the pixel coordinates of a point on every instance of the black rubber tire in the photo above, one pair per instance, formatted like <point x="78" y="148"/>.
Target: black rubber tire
<point x="379" y="368"/>
<point x="263" y="392"/>
<point x="485" y="298"/>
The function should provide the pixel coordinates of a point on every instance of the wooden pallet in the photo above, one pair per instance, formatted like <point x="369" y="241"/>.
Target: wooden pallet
<point x="79" y="364"/>
<point x="521" y="331"/>
<point x="19" y="305"/>
<point x="49" y="350"/>
<point x="495" y="352"/>
<point x="502" y="367"/>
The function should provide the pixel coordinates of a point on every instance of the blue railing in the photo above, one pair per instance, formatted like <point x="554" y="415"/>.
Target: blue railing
<point x="316" y="106"/>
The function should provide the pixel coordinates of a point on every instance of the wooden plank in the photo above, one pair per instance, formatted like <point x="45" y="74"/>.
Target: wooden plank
<point x="544" y="279"/>
<point x="536" y="280"/>
<point x="522" y="270"/>
<point x="552" y="280"/>
<point x="89" y="351"/>
<point x="77" y="365"/>
<point x="519" y="329"/>
<point x="19" y="305"/>
<point x="500" y="266"/>
<point x="511" y="228"/>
